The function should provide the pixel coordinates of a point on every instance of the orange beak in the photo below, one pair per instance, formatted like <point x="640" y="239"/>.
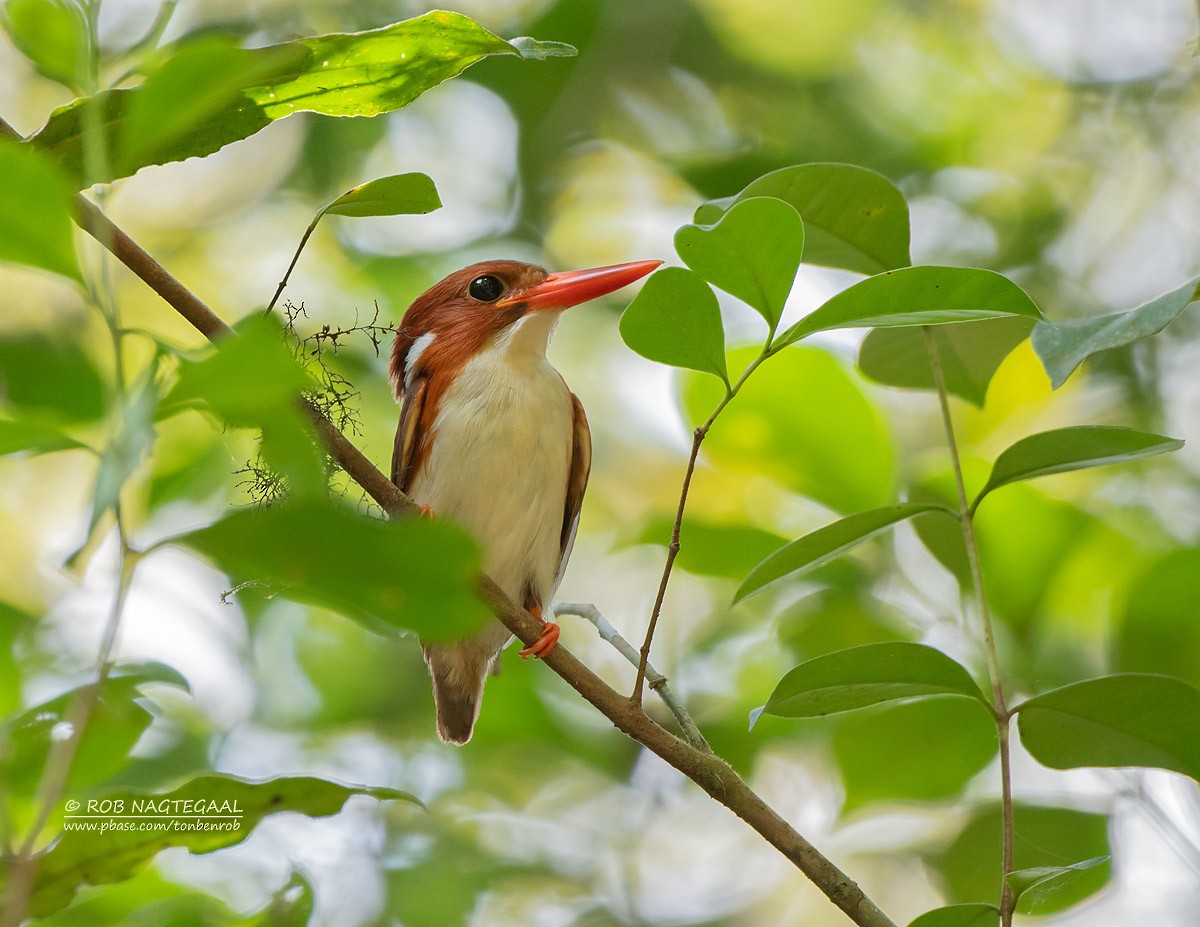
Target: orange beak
<point x="561" y="291"/>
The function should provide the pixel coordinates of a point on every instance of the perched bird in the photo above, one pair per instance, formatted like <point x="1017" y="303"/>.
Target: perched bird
<point x="491" y="439"/>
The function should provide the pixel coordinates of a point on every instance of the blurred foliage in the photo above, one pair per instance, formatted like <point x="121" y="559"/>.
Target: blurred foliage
<point x="1023" y="155"/>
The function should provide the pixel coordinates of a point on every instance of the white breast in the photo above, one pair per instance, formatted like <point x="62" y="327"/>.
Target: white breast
<point x="500" y="458"/>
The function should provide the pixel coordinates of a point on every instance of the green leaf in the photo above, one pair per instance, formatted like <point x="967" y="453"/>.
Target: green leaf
<point x="359" y="74"/>
<point x="751" y="253"/>
<point x="675" y="320"/>
<point x="1075" y="448"/>
<point x="399" y="194"/>
<point x="959" y="915"/>
<point x="50" y="381"/>
<point x="90" y="857"/>
<point x="115" y="724"/>
<point x="1063" y="346"/>
<point x="867" y="675"/>
<point x="414" y="574"/>
<point x="53" y="34"/>
<point x="969" y="868"/>
<point x="818" y="548"/>
<point x="970" y="355"/>
<point x="1130" y="719"/>
<point x="1032" y="888"/>
<point x="128" y="448"/>
<point x="1157" y="630"/>
<point x="853" y="218"/>
<point x="918" y="296"/>
<point x="778" y="428"/>
<point x="874" y="750"/>
<point x="201" y="83"/>
<point x="253" y="381"/>
<point x="35" y="212"/>
<point x="18" y="435"/>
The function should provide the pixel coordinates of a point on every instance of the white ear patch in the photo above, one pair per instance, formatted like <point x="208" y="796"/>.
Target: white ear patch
<point x="414" y="355"/>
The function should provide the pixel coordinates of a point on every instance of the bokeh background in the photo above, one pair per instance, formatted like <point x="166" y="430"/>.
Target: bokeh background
<point x="1052" y="140"/>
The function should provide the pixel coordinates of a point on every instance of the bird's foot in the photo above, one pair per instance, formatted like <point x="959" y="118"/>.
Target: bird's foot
<point x="544" y="644"/>
<point x="426" y="511"/>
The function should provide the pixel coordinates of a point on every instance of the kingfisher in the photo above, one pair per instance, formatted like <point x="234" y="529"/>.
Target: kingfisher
<point x="492" y="439"/>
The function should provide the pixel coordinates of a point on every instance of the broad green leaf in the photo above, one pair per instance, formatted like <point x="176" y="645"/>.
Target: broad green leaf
<point x="51" y="381"/>
<point x="675" y="320"/>
<point x="242" y="378"/>
<point x="806" y="421"/>
<point x="1032" y="888"/>
<point x="359" y="74"/>
<point x="867" y="675"/>
<point x="200" y="83"/>
<point x="1074" y="448"/>
<point x="36" y="437"/>
<point x="413" y="574"/>
<point x="1129" y="719"/>
<point x="751" y="253"/>
<point x="53" y="34"/>
<point x="115" y="724"/>
<point x="1063" y="346"/>
<point x="253" y="381"/>
<point x="388" y="196"/>
<point x="1157" y="630"/>
<point x="959" y="915"/>
<point x="15" y="624"/>
<point x="818" y="548"/>
<point x="90" y="857"/>
<point x="970" y="355"/>
<point x="874" y="750"/>
<point x="35" y="212"/>
<point x="853" y="218"/>
<point x="969" y="867"/>
<point x="918" y="296"/>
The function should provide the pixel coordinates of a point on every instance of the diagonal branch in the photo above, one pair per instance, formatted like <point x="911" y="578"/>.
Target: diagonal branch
<point x="708" y="771"/>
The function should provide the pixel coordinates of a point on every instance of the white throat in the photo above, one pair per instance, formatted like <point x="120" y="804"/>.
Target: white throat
<point x="527" y="338"/>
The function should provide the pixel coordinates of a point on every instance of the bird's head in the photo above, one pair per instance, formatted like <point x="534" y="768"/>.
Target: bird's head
<point x="506" y="303"/>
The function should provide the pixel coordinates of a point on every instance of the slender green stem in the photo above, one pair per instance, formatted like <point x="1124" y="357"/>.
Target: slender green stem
<point x="966" y="518"/>
<point x="62" y="754"/>
<point x="292" y="266"/>
<point x="673" y="548"/>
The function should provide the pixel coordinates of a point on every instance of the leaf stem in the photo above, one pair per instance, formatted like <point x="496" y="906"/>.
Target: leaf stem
<point x="295" y="257"/>
<point x="673" y="548"/>
<point x="1003" y="717"/>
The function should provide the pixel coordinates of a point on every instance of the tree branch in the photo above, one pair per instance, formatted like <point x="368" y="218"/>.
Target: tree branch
<point x="708" y="771"/>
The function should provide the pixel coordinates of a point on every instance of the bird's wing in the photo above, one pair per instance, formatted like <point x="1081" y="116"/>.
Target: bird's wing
<point x="577" y="479"/>
<point x="408" y="434"/>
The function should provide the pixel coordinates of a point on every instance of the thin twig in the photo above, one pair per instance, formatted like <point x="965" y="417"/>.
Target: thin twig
<point x="295" y="257"/>
<point x="673" y="548"/>
<point x="1002" y="715"/>
<point x="62" y="752"/>
<point x="654" y="679"/>
<point x="708" y="771"/>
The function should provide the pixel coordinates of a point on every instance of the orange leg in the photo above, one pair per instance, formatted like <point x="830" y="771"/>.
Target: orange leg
<point x="426" y="511"/>
<point x="544" y="644"/>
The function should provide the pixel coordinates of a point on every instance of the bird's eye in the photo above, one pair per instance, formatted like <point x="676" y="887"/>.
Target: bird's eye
<point x="486" y="289"/>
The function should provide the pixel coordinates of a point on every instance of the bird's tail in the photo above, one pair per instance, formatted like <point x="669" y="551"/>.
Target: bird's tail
<point x="457" y="693"/>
